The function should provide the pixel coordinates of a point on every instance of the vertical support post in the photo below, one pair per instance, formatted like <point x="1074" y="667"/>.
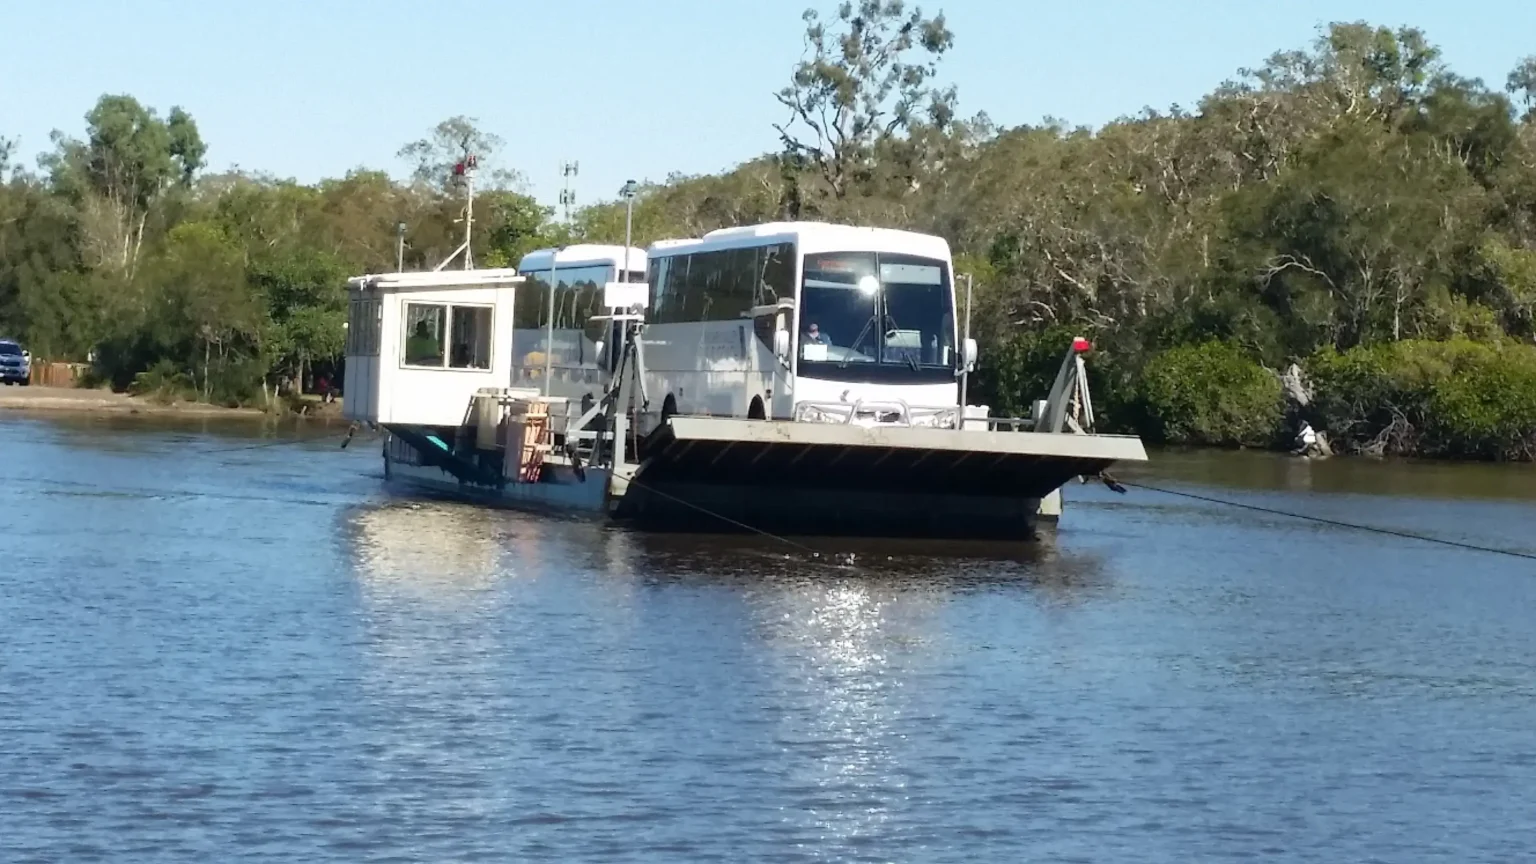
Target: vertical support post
<point x="620" y="435"/>
<point x="965" y="370"/>
<point x="400" y="247"/>
<point x="629" y="221"/>
<point x="549" y="332"/>
<point x="628" y="193"/>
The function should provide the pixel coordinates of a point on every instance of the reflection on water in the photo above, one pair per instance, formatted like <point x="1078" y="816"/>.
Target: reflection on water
<point x="123" y="433"/>
<point x="894" y="565"/>
<point x="279" y="661"/>
<point x="830" y="643"/>
<point x="431" y="551"/>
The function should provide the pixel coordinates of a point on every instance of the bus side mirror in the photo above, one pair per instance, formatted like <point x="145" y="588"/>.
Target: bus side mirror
<point x="781" y="344"/>
<point x="599" y="345"/>
<point x="970" y="354"/>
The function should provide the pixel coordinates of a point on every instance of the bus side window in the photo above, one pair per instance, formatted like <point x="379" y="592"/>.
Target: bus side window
<point x="671" y="291"/>
<point x="776" y="266"/>
<point x="701" y="275"/>
<point x="737" y="284"/>
<point x="653" y="276"/>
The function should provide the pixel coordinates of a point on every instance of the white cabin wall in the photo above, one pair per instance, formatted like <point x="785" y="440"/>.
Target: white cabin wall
<point x="502" y="342"/>
<point x="360" y="392"/>
<point x="439" y="397"/>
<point x="356" y="388"/>
<point x="389" y="356"/>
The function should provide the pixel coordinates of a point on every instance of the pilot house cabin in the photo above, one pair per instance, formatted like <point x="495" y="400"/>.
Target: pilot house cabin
<point x="420" y="345"/>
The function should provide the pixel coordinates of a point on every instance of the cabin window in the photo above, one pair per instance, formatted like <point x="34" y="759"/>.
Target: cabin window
<point x="424" y="326"/>
<point x="440" y="335"/>
<point x="471" y="338"/>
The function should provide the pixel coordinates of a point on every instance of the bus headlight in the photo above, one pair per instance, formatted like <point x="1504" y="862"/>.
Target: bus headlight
<point x="942" y="419"/>
<point x="807" y="412"/>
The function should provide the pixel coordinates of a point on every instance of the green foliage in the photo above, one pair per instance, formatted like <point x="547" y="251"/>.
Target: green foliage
<point x="1521" y="84"/>
<point x="165" y="383"/>
<point x="1018" y="369"/>
<point x="200" y="309"/>
<point x="1211" y="394"/>
<point x="130" y="161"/>
<point x="304" y="292"/>
<point x="451" y="143"/>
<point x="218" y="288"/>
<point x="1455" y="398"/>
<point x="517" y="226"/>
<point x="860" y="85"/>
<point x="1506" y="276"/>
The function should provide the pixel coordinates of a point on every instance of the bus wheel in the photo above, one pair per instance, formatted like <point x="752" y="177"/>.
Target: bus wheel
<point x="757" y="412"/>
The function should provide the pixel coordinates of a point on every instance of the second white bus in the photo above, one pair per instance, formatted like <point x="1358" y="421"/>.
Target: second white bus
<point x="577" y="371"/>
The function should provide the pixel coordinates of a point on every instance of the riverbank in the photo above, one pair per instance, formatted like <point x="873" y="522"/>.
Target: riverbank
<point x="45" y="400"/>
<point x="1455" y="399"/>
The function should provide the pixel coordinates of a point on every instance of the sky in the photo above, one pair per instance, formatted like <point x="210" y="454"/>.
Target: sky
<point x="308" y="89"/>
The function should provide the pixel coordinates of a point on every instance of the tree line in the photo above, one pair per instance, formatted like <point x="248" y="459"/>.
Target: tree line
<point x="121" y="251"/>
<point x="1346" y="233"/>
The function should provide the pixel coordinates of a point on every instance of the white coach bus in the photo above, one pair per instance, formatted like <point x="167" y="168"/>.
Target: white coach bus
<point x="804" y="321"/>
<point x="580" y="272"/>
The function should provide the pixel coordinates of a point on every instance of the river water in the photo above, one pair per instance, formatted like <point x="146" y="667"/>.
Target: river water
<point x="212" y="654"/>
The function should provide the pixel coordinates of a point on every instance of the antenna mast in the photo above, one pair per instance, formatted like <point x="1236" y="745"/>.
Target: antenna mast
<point x="465" y="169"/>
<point x="469" y="209"/>
<point x="567" y="194"/>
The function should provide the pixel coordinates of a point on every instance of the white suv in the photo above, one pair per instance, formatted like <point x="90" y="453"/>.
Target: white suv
<point x="15" y="364"/>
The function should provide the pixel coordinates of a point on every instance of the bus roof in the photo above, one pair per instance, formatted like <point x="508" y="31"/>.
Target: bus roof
<point x="811" y="237"/>
<point x="581" y="255"/>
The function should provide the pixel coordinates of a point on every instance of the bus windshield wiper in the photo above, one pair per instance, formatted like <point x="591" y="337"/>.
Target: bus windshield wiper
<point x="847" y="358"/>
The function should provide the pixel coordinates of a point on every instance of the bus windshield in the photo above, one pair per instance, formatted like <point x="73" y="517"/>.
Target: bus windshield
<point x="876" y="316"/>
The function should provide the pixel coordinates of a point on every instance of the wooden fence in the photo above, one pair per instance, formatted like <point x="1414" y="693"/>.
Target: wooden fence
<point x="57" y="374"/>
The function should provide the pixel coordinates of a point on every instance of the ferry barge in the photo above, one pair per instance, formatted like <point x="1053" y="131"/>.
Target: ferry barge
<point x="795" y="378"/>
